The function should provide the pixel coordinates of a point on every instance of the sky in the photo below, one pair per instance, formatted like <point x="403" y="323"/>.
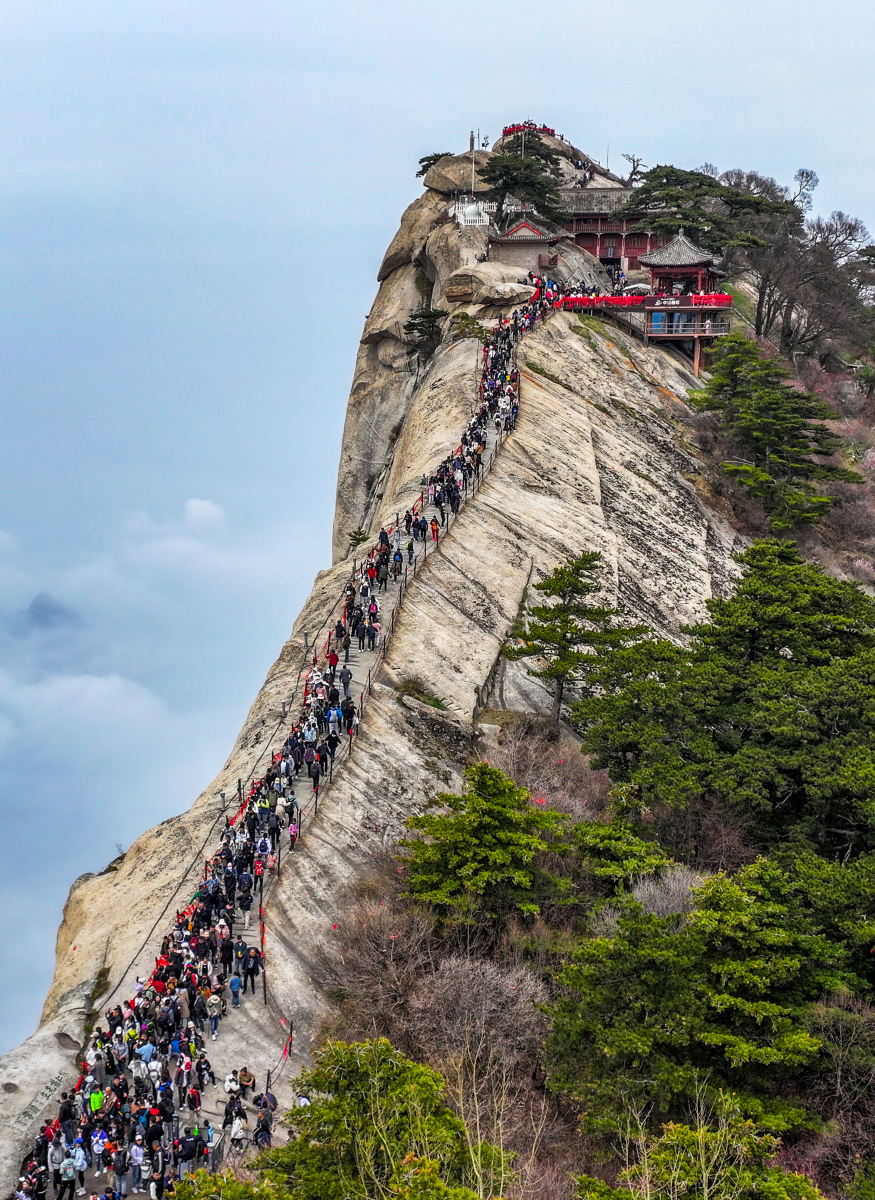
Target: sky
<point x="194" y="201"/>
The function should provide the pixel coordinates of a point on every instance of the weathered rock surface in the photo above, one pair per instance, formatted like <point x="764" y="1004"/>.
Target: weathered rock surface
<point x="453" y="173"/>
<point x="600" y="460"/>
<point x="420" y="217"/>
<point x="568" y="154"/>
<point x="487" y="283"/>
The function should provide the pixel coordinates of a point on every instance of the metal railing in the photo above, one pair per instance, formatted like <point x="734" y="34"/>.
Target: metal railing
<point x="688" y="329"/>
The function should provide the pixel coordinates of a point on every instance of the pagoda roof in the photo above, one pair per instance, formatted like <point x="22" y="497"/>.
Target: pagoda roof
<point x="680" y="252"/>
<point x="526" y="230"/>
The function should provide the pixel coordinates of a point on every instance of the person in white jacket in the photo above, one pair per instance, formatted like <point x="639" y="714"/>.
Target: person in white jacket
<point x="238" y="1132"/>
<point x="138" y="1154"/>
<point x="80" y="1161"/>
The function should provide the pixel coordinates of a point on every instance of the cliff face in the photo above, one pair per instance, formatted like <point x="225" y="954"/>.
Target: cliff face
<point x="600" y="459"/>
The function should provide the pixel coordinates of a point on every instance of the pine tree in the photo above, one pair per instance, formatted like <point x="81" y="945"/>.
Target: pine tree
<point x="480" y="852"/>
<point x="769" y="709"/>
<point x="569" y="632"/>
<point x="714" y="214"/>
<point x="779" y="429"/>
<point x="529" y="179"/>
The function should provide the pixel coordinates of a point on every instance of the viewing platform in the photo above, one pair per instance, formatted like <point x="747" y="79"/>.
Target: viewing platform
<point x="682" y="305"/>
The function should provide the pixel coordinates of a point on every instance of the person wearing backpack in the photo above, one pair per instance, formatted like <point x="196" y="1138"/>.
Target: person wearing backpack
<point x="121" y="1164"/>
<point x="56" y="1157"/>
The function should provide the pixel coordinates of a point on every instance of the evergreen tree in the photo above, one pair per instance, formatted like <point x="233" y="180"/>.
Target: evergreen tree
<point x="713" y="214"/>
<point x="721" y="1156"/>
<point x="531" y="145"/>
<point x="424" y="328"/>
<point x="429" y="160"/>
<point x="779" y="428"/>
<point x="568" y="631"/>
<point x="769" y="709"/>
<point x="723" y="995"/>
<point x="529" y="179"/>
<point x="481" y="851"/>
<point x="371" y="1112"/>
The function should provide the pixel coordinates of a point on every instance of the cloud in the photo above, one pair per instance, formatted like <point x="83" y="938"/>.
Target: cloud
<point x="44" y="613"/>
<point x="202" y="514"/>
<point x="7" y="541"/>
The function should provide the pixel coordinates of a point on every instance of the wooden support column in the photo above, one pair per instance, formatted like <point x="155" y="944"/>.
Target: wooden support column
<point x="697" y="358"/>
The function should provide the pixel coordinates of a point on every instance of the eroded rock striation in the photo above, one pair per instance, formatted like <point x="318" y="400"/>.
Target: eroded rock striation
<point x="601" y="459"/>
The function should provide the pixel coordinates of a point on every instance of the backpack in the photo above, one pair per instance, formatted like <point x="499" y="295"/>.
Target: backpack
<point x="119" y="1162"/>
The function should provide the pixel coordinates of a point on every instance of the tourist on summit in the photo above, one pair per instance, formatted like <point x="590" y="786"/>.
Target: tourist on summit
<point x="315" y="773"/>
<point x="214" y="1013"/>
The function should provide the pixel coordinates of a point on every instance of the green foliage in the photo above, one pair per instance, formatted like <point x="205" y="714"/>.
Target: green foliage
<point x="864" y="377"/>
<point x="371" y="1113"/>
<point x="567" y="632"/>
<point x="615" y="853"/>
<point x="771" y="708"/>
<point x="528" y="179"/>
<point x="204" y="1186"/>
<point x="418" y="1179"/>
<point x="481" y="851"/>
<point x="531" y="146"/>
<point x="779" y="429"/>
<point x="357" y="537"/>
<point x="712" y="213"/>
<point x="428" y="160"/>
<point x="862" y="1186"/>
<point x="424" y="329"/>
<point x="646" y="1013"/>
<point x="721" y="1157"/>
<point x="466" y="326"/>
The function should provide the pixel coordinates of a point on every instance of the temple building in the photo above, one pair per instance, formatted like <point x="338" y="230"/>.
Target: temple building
<point x="685" y="302"/>
<point x="593" y="220"/>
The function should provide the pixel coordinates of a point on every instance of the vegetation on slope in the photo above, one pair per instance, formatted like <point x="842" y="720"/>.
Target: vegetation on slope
<point x="644" y="969"/>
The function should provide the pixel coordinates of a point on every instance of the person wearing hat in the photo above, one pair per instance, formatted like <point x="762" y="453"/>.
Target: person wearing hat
<point x="80" y="1160"/>
<point x="138" y="1154"/>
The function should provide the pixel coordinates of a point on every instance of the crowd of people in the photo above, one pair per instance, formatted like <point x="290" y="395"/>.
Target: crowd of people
<point x="134" y="1117"/>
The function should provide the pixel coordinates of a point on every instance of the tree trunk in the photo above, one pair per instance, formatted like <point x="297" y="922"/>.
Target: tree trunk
<point x="557" y="700"/>
<point x="787" y="327"/>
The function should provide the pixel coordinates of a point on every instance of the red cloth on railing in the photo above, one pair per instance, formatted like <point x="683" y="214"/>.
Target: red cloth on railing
<point x="713" y="300"/>
<point x="509" y="130"/>
<point x="572" y="302"/>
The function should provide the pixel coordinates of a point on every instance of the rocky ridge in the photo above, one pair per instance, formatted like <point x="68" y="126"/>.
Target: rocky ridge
<point x="601" y="459"/>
